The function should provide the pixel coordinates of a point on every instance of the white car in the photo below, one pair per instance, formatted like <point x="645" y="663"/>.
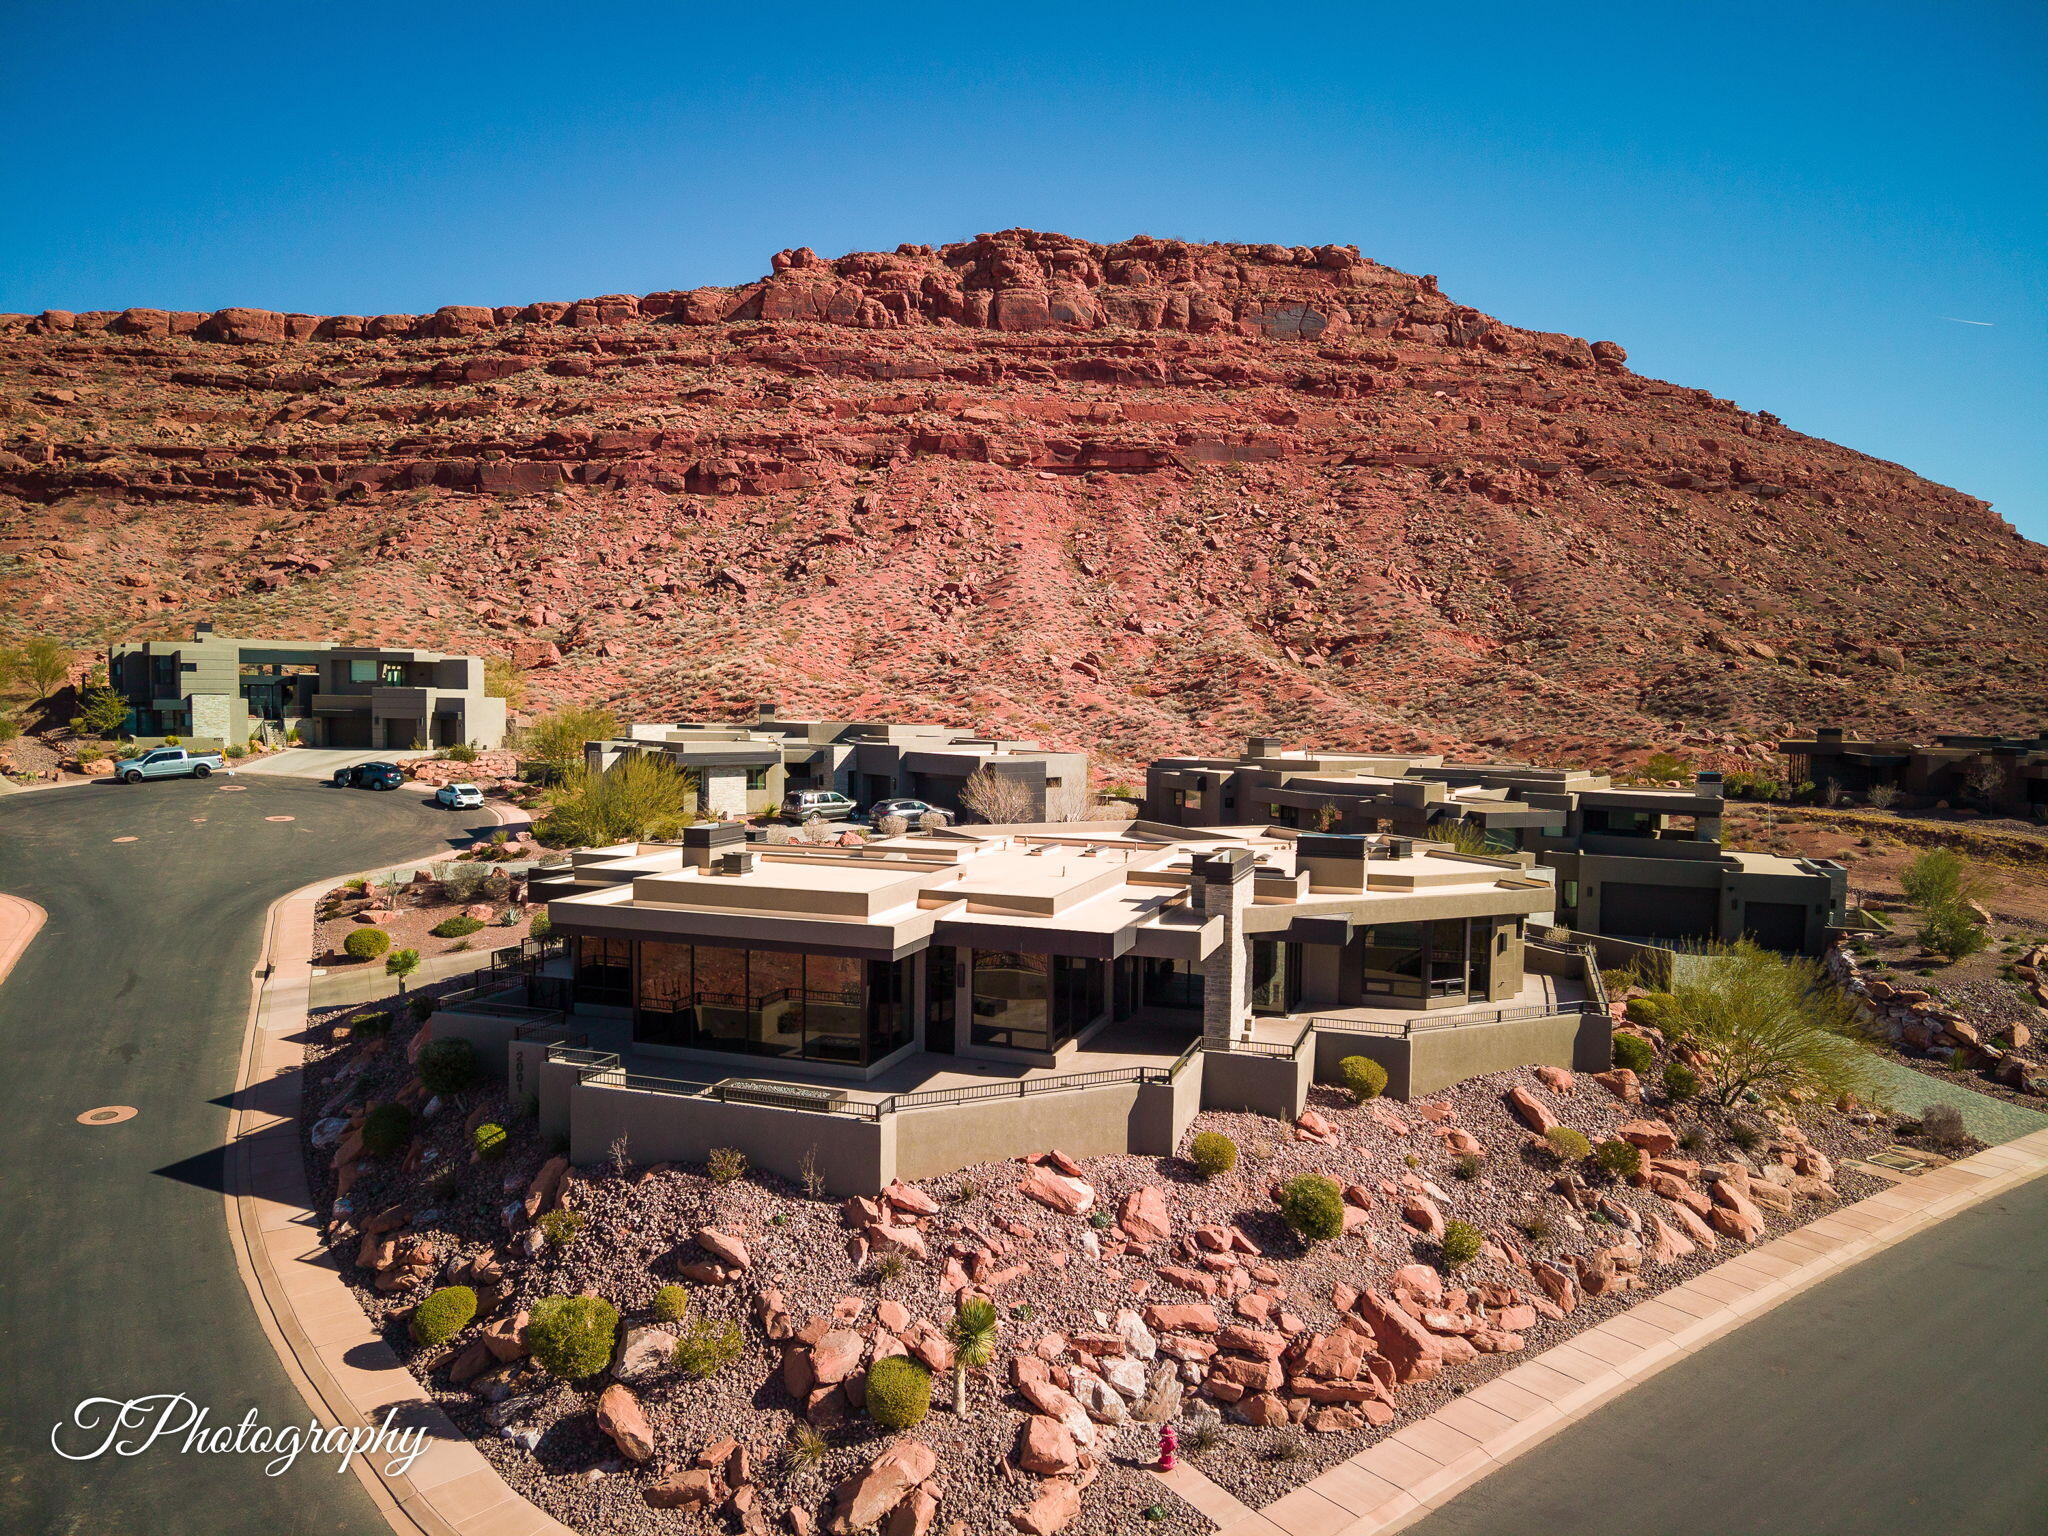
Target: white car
<point x="459" y="797"/>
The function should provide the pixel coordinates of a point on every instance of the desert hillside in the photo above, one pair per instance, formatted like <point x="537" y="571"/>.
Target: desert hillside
<point x="1141" y="497"/>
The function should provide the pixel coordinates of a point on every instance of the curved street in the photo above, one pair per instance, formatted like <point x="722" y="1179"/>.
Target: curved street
<point x="121" y="1281"/>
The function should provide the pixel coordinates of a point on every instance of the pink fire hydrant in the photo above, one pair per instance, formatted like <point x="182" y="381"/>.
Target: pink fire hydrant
<point x="1169" y="1442"/>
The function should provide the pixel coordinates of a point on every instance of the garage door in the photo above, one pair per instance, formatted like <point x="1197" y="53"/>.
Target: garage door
<point x="1632" y="910"/>
<point x="352" y="731"/>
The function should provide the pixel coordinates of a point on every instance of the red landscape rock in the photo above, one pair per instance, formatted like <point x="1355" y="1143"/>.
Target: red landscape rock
<point x="1076" y="1197"/>
<point x="1144" y="1218"/>
<point x="1530" y="1110"/>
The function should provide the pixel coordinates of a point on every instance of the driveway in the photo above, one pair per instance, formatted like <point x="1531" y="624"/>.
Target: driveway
<point x="1903" y="1397"/>
<point x="119" y="1280"/>
<point x="319" y="762"/>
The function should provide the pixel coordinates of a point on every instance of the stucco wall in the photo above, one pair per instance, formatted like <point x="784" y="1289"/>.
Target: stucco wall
<point x="1082" y="1122"/>
<point x="856" y="1157"/>
<point x="1430" y="1060"/>
<point x="1260" y="1085"/>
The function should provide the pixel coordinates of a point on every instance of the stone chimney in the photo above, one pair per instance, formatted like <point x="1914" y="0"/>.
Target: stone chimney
<point x="1222" y="888"/>
<point x="767" y="709"/>
<point x="1264" y="746"/>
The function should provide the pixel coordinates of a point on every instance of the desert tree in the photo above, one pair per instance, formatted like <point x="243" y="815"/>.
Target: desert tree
<point x="1769" y="1025"/>
<point x="638" y="796"/>
<point x="998" y="798"/>
<point x="554" y="742"/>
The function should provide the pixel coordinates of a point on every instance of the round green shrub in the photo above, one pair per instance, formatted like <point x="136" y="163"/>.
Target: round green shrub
<point x="448" y="1066"/>
<point x="1680" y="1081"/>
<point x="541" y="926"/>
<point x="1569" y="1145"/>
<point x="571" y="1336"/>
<point x="899" y="1392"/>
<point x="670" y="1303"/>
<point x="489" y="1140"/>
<point x="443" y="1315"/>
<point x="1633" y="1052"/>
<point x="1314" y="1207"/>
<point x="1366" y="1078"/>
<point x="460" y="926"/>
<point x="1461" y="1243"/>
<point x="366" y="943"/>
<point x="1619" y="1158"/>
<point x="1652" y="1008"/>
<point x="386" y="1128"/>
<point x="1213" y="1154"/>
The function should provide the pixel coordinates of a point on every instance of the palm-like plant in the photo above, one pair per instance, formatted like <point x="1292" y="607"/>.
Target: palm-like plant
<point x="972" y="1333"/>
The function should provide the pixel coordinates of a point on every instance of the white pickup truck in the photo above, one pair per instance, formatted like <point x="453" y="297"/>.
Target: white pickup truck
<point x="167" y="763"/>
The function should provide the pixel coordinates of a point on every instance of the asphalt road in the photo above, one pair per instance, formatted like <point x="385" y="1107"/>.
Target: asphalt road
<point x="116" y="1276"/>
<point x="1907" y="1396"/>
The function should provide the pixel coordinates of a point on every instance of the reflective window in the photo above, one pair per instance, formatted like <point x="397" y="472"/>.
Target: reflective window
<point x="1171" y="984"/>
<point x="1012" y="1000"/>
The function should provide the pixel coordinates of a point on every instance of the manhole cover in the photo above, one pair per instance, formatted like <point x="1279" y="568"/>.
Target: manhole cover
<point x="232" y="789"/>
<point x="127" y="839"/>
<point x="280" y="818"/>
<point x="107" y="1114"/>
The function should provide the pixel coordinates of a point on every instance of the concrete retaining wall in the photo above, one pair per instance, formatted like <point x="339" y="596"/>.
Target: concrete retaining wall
<point x="1082" y="1122"/>
<point x="1431" y="1060"/>
<point x="856" y="1157"/>
<point x="1164" y="1111"/>
<point x="1260" y="1085"/>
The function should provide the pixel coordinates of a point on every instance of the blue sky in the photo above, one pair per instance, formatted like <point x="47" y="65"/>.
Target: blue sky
<point x="1793" y="205"/>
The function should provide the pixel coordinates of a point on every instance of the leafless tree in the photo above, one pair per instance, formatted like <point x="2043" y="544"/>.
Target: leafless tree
<point x="811" y="1176"/>
<point x="997" y="798"/>
<point x="1985" y="781"/>
<point x="1881" y="796"/>
<point x="1069" y="802"/>
<point x="621" y="1155"/>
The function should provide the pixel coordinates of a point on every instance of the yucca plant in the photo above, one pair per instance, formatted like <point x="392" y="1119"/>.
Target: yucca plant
<point x="972" y="1332"/>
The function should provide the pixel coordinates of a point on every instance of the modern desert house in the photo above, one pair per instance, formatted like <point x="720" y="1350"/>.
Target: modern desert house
<point x="2007" y="775"/>
<point x="1631" y="862"/>
<point x="748" y="767"/>
<point x="933" y="1000"/>
<point x="212" y="689"/>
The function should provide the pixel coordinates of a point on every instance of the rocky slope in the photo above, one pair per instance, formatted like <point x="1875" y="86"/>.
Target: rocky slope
<point x="1139" y="497"/>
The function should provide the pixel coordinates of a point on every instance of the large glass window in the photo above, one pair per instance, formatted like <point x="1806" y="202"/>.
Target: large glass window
<point x="1424" y="960"/>
<point x="1390" y="958"/>
<point x="1171" y="984"/>
<point x="759" y="1002"/>
<point x="362" y="671"/>
<point x="1012" y="1000"/>
<point x="604" y="972"/>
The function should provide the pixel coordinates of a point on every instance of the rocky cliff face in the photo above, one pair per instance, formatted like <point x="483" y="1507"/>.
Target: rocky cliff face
<point x="1137" y="497"/>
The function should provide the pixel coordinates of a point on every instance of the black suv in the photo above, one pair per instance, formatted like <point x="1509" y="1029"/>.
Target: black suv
<point x="369" y="776"/>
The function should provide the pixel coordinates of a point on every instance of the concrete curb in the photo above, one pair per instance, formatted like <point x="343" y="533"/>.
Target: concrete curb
<point x="342" y="1367"/>
<point x="1415" y="1470"/>
<point x="20" y="920"/>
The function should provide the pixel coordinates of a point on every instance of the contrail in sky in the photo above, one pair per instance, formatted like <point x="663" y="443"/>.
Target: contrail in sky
<point x="1954" y="321"/>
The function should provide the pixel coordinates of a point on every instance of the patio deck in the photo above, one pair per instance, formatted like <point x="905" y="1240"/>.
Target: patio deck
<point x="1547" y="993"/>
<point x="1133" y="1043"/>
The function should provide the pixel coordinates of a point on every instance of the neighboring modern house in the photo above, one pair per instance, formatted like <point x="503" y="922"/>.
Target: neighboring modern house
<point x="1633" y="863"/>
<point x="2004" y="774"/>
<point x="928" y="1001"/>
<point x="214" y="689"/>
<point x="747" y="768"/>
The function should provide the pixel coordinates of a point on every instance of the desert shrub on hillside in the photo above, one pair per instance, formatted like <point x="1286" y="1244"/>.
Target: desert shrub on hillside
<point x="1366" y="1078"/>
<point x="1313" y="1207"/>
<point x="443" y="1315"/>
<point x="571" y="1336"/>
<point x="899" y="1392"/>
<point x="1213" y="1154"/>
